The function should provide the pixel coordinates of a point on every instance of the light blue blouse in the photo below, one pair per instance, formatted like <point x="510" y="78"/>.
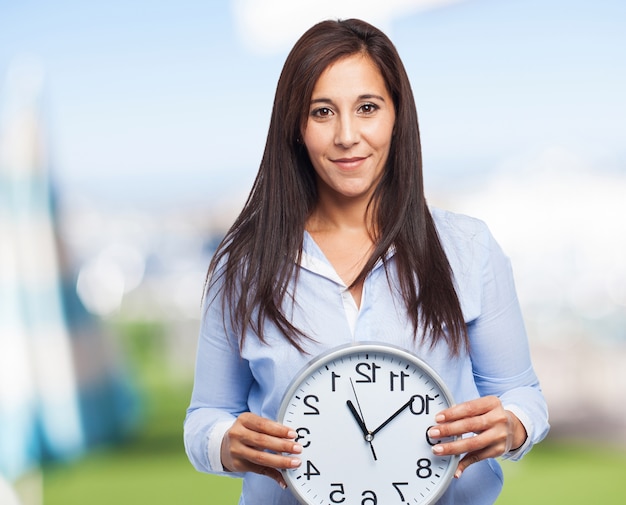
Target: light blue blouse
<point x="228" y="382"/>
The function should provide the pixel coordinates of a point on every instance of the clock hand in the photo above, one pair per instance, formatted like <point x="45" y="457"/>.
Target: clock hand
<point x="358" y="418"/>
<point x="361" y="421"/>
<point x="393" y="416"/>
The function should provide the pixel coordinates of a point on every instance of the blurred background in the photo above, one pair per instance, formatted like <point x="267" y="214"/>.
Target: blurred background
<point x="130" y="134"/>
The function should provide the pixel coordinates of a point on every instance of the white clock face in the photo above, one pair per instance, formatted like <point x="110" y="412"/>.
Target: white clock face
<point x="361" y="414"/>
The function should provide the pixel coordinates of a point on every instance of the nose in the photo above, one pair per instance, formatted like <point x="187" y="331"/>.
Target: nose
<point x="347" y="132"/>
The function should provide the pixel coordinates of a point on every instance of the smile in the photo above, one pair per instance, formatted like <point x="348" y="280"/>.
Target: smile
<point x="349" y="163"/>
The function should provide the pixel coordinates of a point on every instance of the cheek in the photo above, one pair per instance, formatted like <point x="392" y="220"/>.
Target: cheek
<point x="314" y="143"/>
<point x="380" y="136"/>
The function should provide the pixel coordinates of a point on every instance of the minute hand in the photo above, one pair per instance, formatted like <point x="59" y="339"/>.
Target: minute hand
<point x="393" y="416"/>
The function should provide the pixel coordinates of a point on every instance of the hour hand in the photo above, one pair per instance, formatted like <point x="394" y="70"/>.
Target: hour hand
<point x="358" y="419"/>
<point x="366" y="433"/>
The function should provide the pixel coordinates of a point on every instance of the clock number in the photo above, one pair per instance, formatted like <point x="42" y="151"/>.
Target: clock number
<point x="302" y="437"/>
<point x="394" y="376"/>
<point x="369" y="497"/>
<point x="424" y="404"/>
<point x="314" y="410"/>
<point x="423" y="468"/>
<point x="340" y="492"/>
<point x="397" y="486"/>
<point x="366" y="375"/>
<point x="334" y="376"/>
<point x="311" y="470"/>
<point x="432" y="444"/>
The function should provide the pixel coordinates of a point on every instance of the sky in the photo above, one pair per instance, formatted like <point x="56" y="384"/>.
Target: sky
<point x="170" y="101"/>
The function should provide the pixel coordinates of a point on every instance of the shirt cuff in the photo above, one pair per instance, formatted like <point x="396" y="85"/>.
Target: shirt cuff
<point x="214" y="446"/>
<point x="517" y="454"/>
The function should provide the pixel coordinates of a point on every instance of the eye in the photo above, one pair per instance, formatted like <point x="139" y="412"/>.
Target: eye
<point x="321" y="112"/>
<point x="368" y="108"/>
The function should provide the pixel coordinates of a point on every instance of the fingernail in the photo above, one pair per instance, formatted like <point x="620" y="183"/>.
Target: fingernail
<point x="434" y="433"/>
<point x="297" y="448"/>
<point x="437" y="449"/>
<point x="440" y="418"/>
<point x="292" y="434"/>
<point x="283" y="485"/>
<point x="295" y="462"/>
<point x="457" y="474"/>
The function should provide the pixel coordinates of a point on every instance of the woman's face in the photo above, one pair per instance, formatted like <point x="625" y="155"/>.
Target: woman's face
<point x="349" y="128"/>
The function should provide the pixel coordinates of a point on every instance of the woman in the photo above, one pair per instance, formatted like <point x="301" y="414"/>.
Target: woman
<point x="336" y="244"/>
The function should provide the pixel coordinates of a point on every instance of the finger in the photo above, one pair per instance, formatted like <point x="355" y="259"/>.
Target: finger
<point x="252" y="459"/>
<point x="272" y="474"/>
<point x="468" y="460"/>
<point x="472" y="408"/>
<point x="490" y="444"/>
<point x="260" y="449"/>
<point x="263" y="442"/>
<point x="475" y="425"/>
<point x="260" y="424"/>
<point x="503" y="426"/>
<point x="263" y="434"/>
<point x="471" y="458"/>
<point x="246" y="449"/>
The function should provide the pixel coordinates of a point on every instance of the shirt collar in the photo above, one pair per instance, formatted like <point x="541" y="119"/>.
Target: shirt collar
<point x="314" y="260"/>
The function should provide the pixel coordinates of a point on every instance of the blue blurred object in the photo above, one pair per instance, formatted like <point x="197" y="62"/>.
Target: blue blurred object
<point x="61" y="385"/>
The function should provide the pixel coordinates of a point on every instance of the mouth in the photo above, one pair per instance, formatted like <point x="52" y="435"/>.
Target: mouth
<point x="349" y="163"/>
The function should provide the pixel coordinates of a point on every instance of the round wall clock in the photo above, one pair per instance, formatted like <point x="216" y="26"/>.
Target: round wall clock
<point x="361" y="413"/>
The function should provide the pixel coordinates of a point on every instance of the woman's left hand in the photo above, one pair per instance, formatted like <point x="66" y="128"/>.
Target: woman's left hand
<point x="496" y="430"/>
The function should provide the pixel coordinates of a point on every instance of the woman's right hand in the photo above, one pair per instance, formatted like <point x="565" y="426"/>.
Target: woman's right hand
<point x="246" y="444"/>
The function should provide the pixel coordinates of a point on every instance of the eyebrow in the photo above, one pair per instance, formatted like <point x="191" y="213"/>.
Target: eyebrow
<point x="361" y="97"/>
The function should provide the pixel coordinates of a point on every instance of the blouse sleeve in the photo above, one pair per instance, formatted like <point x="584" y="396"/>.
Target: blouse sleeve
<point x="220" y="393"/>
<point x="499" y="350"/>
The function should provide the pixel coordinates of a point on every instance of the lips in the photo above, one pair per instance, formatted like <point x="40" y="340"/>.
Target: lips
<point x="349" y="163"/>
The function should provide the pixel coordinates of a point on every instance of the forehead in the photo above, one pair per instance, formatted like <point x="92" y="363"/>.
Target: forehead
<point x="352" y="75"/>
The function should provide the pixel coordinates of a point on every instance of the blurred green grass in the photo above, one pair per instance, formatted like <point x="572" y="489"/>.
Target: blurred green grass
<point x="152" y="467"/>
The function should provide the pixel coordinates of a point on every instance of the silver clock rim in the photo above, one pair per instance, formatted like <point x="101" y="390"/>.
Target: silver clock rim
<point x="371" y="346"/>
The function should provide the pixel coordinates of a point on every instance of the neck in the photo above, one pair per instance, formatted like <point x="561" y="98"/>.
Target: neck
<point x="341" y="214"/>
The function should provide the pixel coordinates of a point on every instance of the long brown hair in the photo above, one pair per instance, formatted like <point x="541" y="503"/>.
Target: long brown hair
<point x="257" y="260"/>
